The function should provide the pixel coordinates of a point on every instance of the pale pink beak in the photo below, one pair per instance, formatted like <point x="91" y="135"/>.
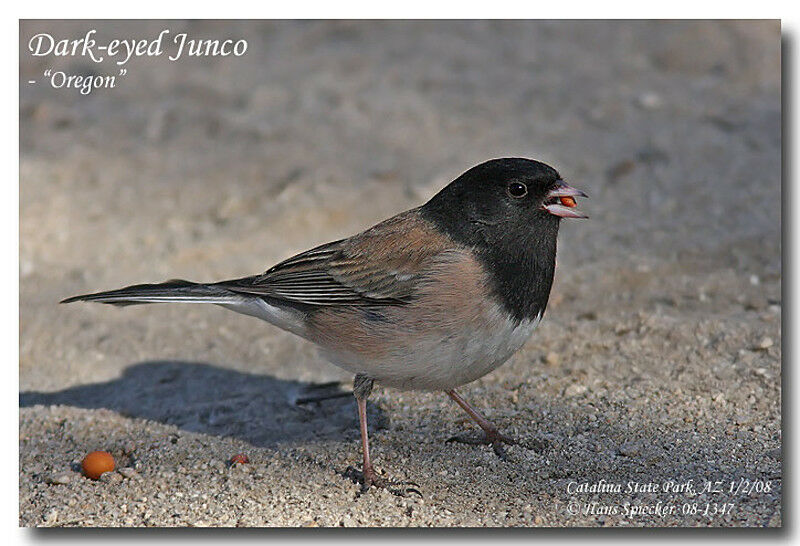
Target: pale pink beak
<point x="563" y="208"/>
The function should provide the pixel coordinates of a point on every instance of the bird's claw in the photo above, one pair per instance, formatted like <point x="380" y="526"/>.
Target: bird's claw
<point x="494" y="439"/>
<point x="371" y="479"/>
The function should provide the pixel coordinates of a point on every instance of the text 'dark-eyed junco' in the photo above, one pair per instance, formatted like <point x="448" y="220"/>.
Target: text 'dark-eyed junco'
<point x="431" y="299"/>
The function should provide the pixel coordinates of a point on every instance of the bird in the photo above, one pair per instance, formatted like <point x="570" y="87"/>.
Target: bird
<point x="430" y="299"/>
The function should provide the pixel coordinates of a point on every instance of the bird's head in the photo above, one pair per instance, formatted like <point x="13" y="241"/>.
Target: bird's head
<point x="502" y="198"/>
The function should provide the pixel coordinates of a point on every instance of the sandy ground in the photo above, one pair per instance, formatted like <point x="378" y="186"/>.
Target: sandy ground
<point x="659" y="360"/>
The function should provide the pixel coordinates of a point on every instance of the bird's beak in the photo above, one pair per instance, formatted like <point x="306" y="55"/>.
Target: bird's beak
<point x="560" y="201"/>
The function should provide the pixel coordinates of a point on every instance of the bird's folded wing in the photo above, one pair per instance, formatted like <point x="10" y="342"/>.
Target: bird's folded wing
<point x="383" y="265"/>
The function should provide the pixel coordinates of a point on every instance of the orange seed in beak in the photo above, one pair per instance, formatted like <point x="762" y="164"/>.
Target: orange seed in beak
<point x="568" y="201"/>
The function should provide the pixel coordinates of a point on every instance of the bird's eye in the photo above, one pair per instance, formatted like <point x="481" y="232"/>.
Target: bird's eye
<point x="517" y="190"/>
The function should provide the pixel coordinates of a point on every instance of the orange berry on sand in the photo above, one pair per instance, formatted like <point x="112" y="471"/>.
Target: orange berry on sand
<point x="97" y="462"/>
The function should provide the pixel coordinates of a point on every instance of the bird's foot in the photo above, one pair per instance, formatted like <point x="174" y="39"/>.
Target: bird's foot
<point x="370" y="478"/>
<point x="495" y="438"/>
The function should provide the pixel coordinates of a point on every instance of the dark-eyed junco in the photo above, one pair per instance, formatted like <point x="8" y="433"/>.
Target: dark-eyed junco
<point x="430" y="299"/>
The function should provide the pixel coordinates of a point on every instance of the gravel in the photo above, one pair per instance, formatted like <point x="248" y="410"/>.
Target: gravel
<point x="657" y="368"/>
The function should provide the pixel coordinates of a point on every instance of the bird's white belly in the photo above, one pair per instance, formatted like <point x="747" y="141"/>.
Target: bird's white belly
<point x="444" y="357"/>
<point x="444" y="360"/>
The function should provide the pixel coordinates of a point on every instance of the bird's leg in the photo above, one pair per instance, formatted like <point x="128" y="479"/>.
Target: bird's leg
<point x="492" y="435"/>
<point x="362" y="386"/>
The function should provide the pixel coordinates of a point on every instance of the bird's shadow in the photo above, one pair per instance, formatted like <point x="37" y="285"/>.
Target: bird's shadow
<point x="199" y="397"/>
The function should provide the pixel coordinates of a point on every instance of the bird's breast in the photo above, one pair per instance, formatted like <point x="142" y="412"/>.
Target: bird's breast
<point x="452" y="333"/>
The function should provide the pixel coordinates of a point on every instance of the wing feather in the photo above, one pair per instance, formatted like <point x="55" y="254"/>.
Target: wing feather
<point x="383" y="265"/>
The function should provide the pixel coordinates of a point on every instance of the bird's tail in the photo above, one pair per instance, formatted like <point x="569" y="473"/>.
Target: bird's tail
<point x="174" y="291"/>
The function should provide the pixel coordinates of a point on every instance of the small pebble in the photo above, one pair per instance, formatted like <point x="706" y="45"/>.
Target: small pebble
<point x="765" y="343"/>
<point x="552" y="358"/>
<point x="575" y="390"/>
<point x="59" y="479"/>
<point x="110" y="478"/>
<point x="128" y="472"/>
<point x="51" y="516"/>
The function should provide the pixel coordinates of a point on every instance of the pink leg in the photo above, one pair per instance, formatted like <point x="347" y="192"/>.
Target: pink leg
<point x="370" y="477"/>
<point x="492" y="435"/>
<point x="362" y="386"/>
